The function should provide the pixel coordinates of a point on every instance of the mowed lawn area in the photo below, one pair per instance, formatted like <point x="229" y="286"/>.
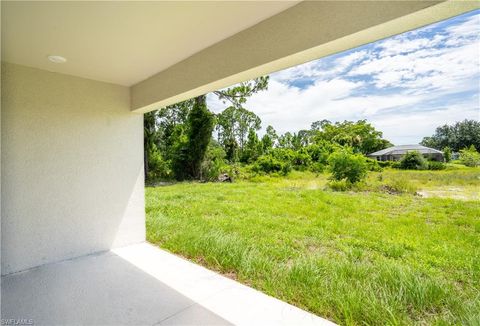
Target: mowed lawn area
<point x="355" y="258"/>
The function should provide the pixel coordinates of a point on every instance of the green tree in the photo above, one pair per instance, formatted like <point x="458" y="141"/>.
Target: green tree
<point x="191" y="152"/>
<point x="302" y="139"/>
<point x="171" y="124"/>
<point x="269" y="139"/>
<point x="233" y="125"/>
<point x="319" y="125"/>
<point x="168" y="131"/>
<point x="286" y="140"/>
<point x="253" y="148"/>
<point x="238" y="94"/>
<point x="321" y="150"/>
<point x="246" y="121"/>
<point x="163" y="129"/>
<point x="150" y="141"/>
<point x="460" y="135"/>
<point x="361" y="136"/>
<point x="267" y="143"/>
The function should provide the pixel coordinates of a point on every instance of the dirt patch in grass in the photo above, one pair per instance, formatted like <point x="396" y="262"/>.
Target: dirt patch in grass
<point x="231" y="275"/>
<point x="457" y="193"/>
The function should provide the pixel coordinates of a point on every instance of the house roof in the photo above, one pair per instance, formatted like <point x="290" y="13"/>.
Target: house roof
<point x="403" y="149"/>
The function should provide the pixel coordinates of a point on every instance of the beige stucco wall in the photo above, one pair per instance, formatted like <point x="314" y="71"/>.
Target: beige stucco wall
<point x="72" y="168"/>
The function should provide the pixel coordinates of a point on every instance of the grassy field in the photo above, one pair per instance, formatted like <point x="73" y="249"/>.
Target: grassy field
<point x="365" y="257"/>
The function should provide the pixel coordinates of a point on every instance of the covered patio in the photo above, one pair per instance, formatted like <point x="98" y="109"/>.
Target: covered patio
<point x="140" y="285"/>
<point x="76" y="79"/>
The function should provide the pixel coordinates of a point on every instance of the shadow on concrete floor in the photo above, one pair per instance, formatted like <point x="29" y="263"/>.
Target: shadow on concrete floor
<point x="140" y="285"/>
<point x="102" y="289"/>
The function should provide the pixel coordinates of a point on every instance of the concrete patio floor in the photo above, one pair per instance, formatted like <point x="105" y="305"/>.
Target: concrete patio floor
<point x="139" y="285"/>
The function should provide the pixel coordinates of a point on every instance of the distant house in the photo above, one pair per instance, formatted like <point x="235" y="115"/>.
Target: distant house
<point x="396" y="153"/>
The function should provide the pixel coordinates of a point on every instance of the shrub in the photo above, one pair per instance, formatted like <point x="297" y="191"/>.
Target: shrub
<point x="286" y="169"/>
<point x="338" y="185"/>
<point x="396" y="165"/>
<point x="237" y="171"/>
<point x="373" y="165"/>
<point x="385" y="164"/>
<point x="470" y="157"/>
<point x="447" y="154"/>
<point x="213" y="163"/>
<point x="320" y="151"/>
<point x="317" y="167"/>
<point x="413" y="161"/>
<point x="283" y="154"/>
<point x="301" y="160"/>
<point x="347" y="166"/>
<point x="270" y="164"/>
<point x="435" y="165"/>
<point x="158" y="168"/>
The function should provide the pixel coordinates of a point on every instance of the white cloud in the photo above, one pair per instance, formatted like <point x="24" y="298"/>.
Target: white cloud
<point x="348" y="60"/>
<point x="447" y="60"/>
<point x="411" y="128"/>
<point x="444" y="68"/>
<point x="319" y="69"/>
<point x="467" y="29"/>
<point x="399" y="45"/>
<point x="389" y="83"/>
<point x="289" y="108"/>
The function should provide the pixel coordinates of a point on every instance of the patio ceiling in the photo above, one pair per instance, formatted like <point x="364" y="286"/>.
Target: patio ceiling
<point x="121" y="42"/>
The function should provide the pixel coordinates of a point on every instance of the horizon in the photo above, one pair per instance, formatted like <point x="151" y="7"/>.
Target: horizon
<point x="422" y="79"/>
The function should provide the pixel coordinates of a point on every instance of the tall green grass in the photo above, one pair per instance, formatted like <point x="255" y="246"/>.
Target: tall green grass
<point x="355" y="258"/>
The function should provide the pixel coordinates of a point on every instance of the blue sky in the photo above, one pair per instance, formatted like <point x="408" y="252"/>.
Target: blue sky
<point x="406" y="85"/>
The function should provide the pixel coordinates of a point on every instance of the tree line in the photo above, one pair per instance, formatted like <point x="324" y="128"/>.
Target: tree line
<point x="458" y="136"/>
<point x="186" y="141"/>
